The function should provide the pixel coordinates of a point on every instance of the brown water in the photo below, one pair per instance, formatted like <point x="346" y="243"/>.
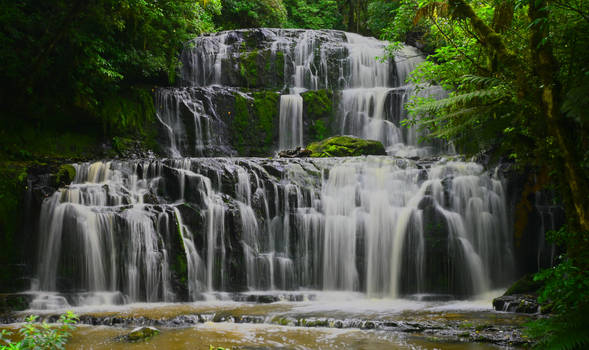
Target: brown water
<point x="330" y="321"/>
<point x="261" y="336"/>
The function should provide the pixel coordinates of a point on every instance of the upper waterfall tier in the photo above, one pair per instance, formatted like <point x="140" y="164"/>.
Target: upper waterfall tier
<point x="308" y="59"/>
<point x="252" y="92"/>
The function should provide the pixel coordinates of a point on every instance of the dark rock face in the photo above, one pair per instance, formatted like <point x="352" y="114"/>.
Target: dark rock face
<point x="295" y="153"/>
<point x="345" y="146"/>
<point x="521" y="297"/>
<point x="521" y="303"/>
<point x="533" y="252"/>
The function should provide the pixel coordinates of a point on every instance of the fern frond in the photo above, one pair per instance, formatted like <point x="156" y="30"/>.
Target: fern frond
<point x="477" y="97"/>
<point x="481" y="81"/>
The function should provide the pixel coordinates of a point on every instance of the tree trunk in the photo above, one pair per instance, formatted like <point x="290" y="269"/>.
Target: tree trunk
<point x="546" y="67"/>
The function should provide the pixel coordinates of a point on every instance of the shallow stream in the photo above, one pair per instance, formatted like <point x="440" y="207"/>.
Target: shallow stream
<point x="324" y="320"/>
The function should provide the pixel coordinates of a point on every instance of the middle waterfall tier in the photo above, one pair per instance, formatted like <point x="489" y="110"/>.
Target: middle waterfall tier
<point x="172" y="229"/>
<point x="252" y="92"/>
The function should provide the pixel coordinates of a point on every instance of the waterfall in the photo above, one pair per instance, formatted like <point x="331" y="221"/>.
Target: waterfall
<point x="291" y="121"/>
<point x="176" y="229"/>
<point x="337" y="224"/>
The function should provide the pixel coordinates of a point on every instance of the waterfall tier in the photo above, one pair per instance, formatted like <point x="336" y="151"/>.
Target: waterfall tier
<point x="172" y="229"/>
<point x="366" y="88"/>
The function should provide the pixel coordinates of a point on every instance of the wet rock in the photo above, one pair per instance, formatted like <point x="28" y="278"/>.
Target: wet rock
<point x="15" y="302"/>
<point x="141" y="333"/>
<point x="225" y="316"/>
<point x="295" y="153"/>
<point x="521" y="303"/>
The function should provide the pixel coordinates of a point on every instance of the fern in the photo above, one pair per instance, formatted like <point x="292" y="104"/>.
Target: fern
<point x="479" y="110"/>
<point x="477" y="80"/>
<point x="567" y="292"/>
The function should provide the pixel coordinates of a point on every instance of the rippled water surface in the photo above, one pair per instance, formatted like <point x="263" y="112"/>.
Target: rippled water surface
<point x="320" y="321"/>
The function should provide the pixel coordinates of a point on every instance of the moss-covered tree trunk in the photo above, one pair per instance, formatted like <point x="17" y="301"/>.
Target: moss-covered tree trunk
<point x="546" y="68"/>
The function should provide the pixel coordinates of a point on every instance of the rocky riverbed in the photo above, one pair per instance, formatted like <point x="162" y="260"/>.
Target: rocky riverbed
<point x="299" y="321"/>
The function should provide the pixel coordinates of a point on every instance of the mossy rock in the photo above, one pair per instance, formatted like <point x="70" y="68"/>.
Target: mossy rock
<point x="254" y="124"/>
<point x="65" y="175"/>
<point x="142" y="333"/>
<point x="345" y="146"/>
<point x="318" y="112"/>
<point x="525" y="285"/>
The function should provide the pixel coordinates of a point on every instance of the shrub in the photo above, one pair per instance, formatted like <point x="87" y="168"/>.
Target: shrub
<point x="41" y="335"/>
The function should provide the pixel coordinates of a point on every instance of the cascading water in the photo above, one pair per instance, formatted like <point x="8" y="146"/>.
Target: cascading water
<point x="291" y="121"/>
<point x="175" y="229"/>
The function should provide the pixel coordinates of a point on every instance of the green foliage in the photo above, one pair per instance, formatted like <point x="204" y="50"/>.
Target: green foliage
<point x="319" y="130"/>
<point x="42" y="335"/>
<point x="380" y="13"/>
<point x="566" y="294"/>
<point x="318" y="14"/>
<point x="128" y="112"/>
<point x="400" y="23"/>
<point x="252" y="13"/>
<point x="12" y="185"/>
<point x="81" y="62"/>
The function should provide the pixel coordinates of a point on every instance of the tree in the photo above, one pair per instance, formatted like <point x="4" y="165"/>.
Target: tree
<point x="73" y="61"/>
<point x="252" y="13"/>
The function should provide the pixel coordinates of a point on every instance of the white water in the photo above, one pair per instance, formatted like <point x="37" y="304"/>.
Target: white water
<point x="291" y="122"/>
<point x="360" y="228"/>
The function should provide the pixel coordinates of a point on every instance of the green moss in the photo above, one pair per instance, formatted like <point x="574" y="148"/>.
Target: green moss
<point x="142" y="333"/>
<point x="345" y="146"/>
<point x="525" y="285"/>
<point x="319" y="110"/>
<point x="240" y="123"/>
<point x="260" y="68"/>
<point x="279" y="66"/>
<point x="253" y="126"/>
<point x="65" y="174"/>
<point x="265" y="107"/>
<point x="248" y="68"/>
<point x="318" y="130"/>
<point x="318" y="104"/>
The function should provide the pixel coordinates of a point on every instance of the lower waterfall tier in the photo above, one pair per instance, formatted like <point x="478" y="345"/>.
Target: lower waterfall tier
<point x="169" y="230"/>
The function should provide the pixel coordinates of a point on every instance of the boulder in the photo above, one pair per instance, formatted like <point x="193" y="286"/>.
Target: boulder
<point x="295" y="153"/>
<point x="521" y="303"/>
<point x="345" y="146"/>
<point x="142" y="333"/>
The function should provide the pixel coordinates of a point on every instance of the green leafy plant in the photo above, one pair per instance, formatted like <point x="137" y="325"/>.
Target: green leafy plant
<point x="566" y="295"/>
<point x="41" y="335"/>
